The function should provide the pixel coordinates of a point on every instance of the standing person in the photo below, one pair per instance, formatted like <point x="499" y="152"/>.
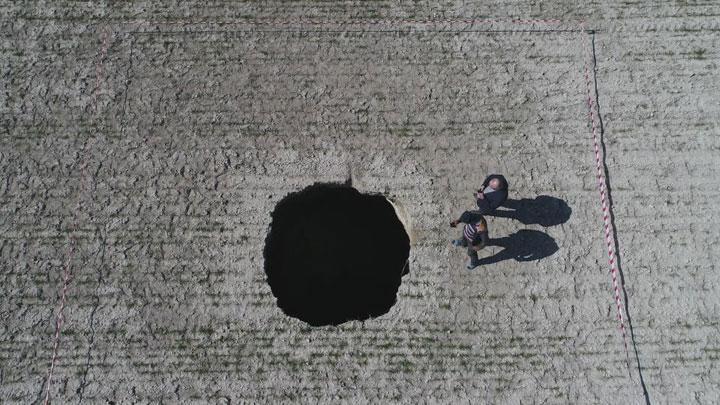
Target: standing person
<point x="492" y="193"/>
<point x="475" y="237"/>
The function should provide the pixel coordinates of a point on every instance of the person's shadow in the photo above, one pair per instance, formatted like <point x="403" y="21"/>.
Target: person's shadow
<point x="542" y="210"/>
<point x="524" y="245"/>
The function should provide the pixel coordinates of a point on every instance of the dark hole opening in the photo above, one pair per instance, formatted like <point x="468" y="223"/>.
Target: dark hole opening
<point x="334" y="254"/>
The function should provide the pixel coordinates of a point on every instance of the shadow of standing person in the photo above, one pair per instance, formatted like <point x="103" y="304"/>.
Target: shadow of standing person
<point x="523" y="246"/>
<point x="543" y="210"/>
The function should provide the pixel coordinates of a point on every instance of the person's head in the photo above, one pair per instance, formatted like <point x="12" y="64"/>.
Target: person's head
<point x="496" y="184"/>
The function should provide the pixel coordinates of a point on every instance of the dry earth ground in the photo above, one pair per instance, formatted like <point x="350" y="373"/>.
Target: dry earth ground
<point x="147" y="144"/>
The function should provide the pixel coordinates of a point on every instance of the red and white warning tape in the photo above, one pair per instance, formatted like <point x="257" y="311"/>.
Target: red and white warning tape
<point x="601" y="182"/>
<point x="382" y="21"/>
<point x="60" y="316"/>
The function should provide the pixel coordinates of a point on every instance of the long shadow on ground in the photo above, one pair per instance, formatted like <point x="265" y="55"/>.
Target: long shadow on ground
<point x="523" y="246"/>
<point x="543" y="210"/>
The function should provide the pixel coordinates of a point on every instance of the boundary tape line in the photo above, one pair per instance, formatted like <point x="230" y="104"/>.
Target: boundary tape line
<point x="601" y="182"/>
<point x="299" y="21"/>
<point x="67" y="268"/>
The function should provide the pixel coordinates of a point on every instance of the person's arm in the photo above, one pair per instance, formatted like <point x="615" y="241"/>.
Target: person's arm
<point x="485" y="238"/>
<point x="483" y="205"/>
<point x="487" y="181"/>
<point x="480" y="240"/>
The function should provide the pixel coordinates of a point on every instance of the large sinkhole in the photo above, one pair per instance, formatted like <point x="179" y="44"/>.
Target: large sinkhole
<point x="334" y="254"/>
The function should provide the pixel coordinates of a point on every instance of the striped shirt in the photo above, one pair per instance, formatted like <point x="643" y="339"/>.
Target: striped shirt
<point x="470" y="232"/>
<point x="476" y="233"/>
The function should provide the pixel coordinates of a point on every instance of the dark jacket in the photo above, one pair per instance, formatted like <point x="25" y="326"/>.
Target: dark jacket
<point x="495" y="198"/>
